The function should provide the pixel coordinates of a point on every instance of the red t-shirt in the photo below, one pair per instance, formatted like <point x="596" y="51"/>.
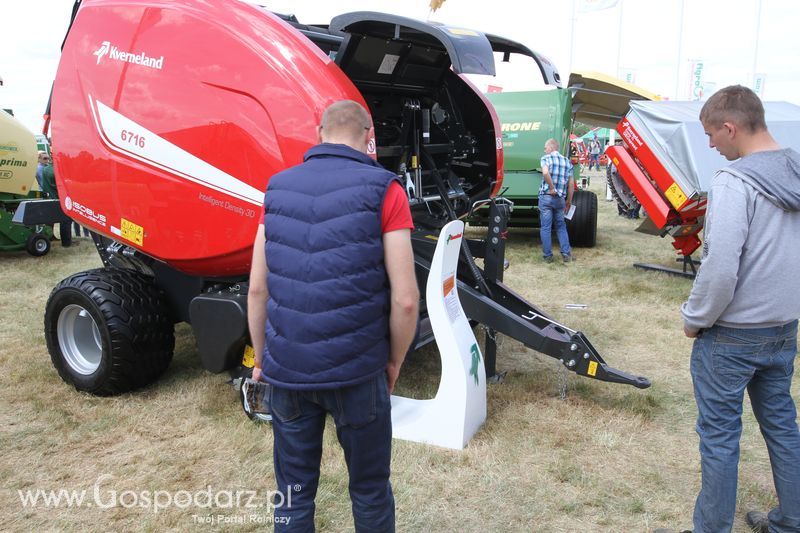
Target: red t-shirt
<point x="395" y="213"/>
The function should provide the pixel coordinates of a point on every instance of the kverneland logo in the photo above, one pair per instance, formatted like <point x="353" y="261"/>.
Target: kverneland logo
<point x="107" y="49"/>
<point x="453" y="237"/>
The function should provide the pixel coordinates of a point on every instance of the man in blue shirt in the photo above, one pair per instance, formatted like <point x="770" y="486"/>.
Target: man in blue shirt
<point x="555" y="198"/>
<point x="44" y="160"/>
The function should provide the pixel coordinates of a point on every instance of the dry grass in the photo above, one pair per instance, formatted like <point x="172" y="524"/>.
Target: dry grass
<point x="608" y="458"/>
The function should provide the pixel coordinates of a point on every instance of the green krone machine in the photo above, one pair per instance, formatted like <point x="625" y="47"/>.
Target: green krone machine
<point x="527" y="120"/>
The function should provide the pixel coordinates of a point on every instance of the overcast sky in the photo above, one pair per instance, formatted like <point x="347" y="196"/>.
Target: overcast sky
<point x="655" y="43"/>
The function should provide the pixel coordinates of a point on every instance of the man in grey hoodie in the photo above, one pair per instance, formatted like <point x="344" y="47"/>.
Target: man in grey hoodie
<point x="743" y="311"/>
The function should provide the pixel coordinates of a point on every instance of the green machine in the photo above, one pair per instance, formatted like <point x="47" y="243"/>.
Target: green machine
<point x="18" y="160"/>
<point x="527" y="120"/>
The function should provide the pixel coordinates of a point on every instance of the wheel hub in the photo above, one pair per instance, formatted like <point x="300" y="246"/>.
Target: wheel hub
<point x="79" y="339"/>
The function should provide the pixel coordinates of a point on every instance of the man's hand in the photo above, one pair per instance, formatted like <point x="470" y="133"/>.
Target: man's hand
<point x="392" y="373"/>
<point x="552" y="192"/>
<point x="257" y="374"/>
<point x="690" y="332"/>
<point x="566" y="207"/>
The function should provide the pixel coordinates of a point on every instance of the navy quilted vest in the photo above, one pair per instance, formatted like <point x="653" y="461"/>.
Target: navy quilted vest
<point x="327" y="314"/>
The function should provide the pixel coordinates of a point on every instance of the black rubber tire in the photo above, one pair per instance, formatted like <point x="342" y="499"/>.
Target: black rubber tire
<point x="582" y="228"/>
<point x="37" y="244"/>
<point x="134" y="322"/>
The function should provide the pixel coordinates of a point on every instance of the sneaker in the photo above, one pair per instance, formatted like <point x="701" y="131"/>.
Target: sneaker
<point x="758" y="521"/>
<point x="548" y="259"/>
<point x="567" y="257"/>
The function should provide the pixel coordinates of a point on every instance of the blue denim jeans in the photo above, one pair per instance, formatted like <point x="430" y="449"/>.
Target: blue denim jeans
<point x="725" y="362"/>
<point x="362" y="414"/>
<point x="551" y="208"/>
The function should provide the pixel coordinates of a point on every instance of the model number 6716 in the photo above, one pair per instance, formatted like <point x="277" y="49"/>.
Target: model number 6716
<point x="132" y="138"/>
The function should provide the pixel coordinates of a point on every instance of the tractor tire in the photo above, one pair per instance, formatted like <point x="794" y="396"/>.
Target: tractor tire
<point x="37" y="244"/>
<point x="109" y="331"/>
<point x="582" y="228"/>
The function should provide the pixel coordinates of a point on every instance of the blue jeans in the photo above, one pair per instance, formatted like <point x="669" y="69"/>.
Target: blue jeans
<point x="594" y="159"/>
<point x="552" y="208"/>
<point x="725" y="361"/>
<point x="363" y="418"/>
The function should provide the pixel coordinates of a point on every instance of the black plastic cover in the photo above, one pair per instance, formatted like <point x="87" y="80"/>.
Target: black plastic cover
<point x="469" y="51"/>
<point x="219" y="322"/>
<point x="32" y="212"/>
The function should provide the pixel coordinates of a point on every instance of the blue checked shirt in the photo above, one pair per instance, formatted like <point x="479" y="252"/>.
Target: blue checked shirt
<point x="560" y="171"/>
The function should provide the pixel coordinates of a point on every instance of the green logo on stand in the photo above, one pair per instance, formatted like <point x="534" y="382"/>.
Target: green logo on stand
<point x="476" y="359"/>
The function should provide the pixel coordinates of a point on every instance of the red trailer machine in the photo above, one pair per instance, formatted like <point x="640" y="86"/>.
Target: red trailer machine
<point x="169" y="117"/>
<point x="667" y="163"/>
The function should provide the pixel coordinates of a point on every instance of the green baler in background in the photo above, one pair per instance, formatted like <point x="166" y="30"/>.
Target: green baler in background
<point x="527" y="120"/>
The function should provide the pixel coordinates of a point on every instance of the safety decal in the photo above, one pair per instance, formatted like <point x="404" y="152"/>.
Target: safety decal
<point x="592" y="371"/>
<point x="132" y="232"/>
<point x="675" y="195"/>
<point x="448" y="285"/>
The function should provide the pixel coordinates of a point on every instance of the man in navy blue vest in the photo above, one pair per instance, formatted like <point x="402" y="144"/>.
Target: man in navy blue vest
<point x="332" y="309"/>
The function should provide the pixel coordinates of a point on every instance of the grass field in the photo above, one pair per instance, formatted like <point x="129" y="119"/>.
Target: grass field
<point x="607" y="458"/>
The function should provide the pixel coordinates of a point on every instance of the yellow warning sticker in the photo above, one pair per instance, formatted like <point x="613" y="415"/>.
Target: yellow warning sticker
<point x="592" y="368"/>
<point x="132" y="232"/>
<point x="675" y="195"/>
<point x="249" y="357"/>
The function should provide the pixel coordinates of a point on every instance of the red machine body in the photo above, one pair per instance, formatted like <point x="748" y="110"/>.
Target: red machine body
<point x="666" y="204"/>
<point x="169" y="117"/>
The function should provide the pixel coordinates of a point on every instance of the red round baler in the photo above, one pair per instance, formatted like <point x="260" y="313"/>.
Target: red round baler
<point x="168" y="118"/>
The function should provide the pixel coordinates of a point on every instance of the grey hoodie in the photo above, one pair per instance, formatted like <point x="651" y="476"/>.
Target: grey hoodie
<point x="751" y="250"/>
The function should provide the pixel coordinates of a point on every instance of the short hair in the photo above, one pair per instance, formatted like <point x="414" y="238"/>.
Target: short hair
<point x="345" y="118"/>
<point x="736" y="104"/>
<point x="552" y="143"/>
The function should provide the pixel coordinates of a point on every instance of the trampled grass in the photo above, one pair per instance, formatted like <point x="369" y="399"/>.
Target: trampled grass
<point x="607" y="458"/>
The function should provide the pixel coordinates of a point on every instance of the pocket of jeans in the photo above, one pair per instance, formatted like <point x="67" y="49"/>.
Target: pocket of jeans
<point x="284" y="404"/>
<point x="733" y="360"/>
<point x="357" y="404"/>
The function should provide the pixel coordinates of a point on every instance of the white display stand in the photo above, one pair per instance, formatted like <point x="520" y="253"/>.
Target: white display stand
<point x="458" y="410"/>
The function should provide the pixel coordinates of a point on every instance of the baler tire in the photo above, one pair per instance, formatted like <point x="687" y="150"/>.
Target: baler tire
<point x="582" y="229"/>
<point x="109" y="331"/>
<point x="37" y="244"/>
